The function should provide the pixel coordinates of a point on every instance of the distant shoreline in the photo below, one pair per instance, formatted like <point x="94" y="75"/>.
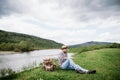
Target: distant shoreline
<point x="13" y="52"/>
<point x="8" y="52"/>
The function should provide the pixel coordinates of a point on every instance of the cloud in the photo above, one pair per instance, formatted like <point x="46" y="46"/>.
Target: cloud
<point x="65" y="21"/>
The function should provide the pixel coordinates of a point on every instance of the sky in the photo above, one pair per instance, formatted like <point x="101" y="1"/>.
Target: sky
<point x="65" y="21"/>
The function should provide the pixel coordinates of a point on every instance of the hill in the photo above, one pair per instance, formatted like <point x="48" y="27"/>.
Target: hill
<point x="89" y="44"/>
<point x="22" y="42"/>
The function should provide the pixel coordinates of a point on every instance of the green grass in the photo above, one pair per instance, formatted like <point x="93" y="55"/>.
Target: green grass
<point x="105" y="61"/>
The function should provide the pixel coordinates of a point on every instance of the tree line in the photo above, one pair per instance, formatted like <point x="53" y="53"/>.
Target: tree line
<point x="10" y="41"/>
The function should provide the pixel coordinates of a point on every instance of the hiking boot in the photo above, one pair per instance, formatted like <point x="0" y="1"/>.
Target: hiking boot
<point x="80" y="71"/>
<point x="91" y="71"/>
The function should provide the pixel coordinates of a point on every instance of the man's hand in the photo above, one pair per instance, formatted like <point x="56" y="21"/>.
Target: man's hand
<point x="66" y="58"/>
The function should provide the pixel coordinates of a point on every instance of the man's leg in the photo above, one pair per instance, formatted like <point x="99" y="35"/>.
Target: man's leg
<point x="80" y="68"/>
<point x="77" y="67"/>
<point x="65" y="64"/>
<point x="69" y="64"/>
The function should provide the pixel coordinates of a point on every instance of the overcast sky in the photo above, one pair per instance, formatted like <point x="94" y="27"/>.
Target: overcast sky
<point x="65" y="21"/>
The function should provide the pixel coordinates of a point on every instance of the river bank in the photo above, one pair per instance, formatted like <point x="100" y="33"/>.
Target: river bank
<point x="17" y="60"/>
<point x="8" y="52"/>
<point x="17" y="52"/>
<point x="107" y="68"/>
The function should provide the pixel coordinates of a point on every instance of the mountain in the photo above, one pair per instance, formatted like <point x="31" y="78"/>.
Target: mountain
<point x="20" y="42"/>
<point x="90" y="43"/>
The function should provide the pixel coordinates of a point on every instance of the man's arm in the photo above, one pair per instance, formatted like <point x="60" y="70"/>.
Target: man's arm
<point x="62" y="57"/>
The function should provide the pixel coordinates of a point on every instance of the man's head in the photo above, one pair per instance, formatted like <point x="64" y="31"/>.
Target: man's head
<point x="64" y="48"/>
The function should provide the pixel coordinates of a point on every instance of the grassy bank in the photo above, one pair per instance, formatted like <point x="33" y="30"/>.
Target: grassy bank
<point x="105" y="61"/>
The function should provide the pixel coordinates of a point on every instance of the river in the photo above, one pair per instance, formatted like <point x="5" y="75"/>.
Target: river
<point x="17" y="61"/>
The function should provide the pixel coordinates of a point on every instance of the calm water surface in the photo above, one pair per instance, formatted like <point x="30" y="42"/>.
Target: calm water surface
<point x="19" y="60"/>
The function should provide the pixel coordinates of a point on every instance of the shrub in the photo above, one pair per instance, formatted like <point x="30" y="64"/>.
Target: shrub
<point x="5" y="72"/>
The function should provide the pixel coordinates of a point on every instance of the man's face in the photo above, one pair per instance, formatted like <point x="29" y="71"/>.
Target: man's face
<point x="64" y="50"/>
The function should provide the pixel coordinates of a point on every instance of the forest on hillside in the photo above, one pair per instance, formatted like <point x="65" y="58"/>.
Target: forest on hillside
<point x="10" y="41"/>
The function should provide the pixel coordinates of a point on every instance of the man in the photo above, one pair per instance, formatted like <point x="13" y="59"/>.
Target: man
<point x="66" y="63"/>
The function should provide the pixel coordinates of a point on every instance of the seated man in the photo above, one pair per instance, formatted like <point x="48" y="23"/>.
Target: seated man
<point x="66" y="63"/>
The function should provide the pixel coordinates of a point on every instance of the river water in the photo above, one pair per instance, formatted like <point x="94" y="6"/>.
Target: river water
<point x="17" y="61"/>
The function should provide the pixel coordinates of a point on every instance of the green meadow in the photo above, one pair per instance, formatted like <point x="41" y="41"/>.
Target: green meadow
<point x="105" y="61"/>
